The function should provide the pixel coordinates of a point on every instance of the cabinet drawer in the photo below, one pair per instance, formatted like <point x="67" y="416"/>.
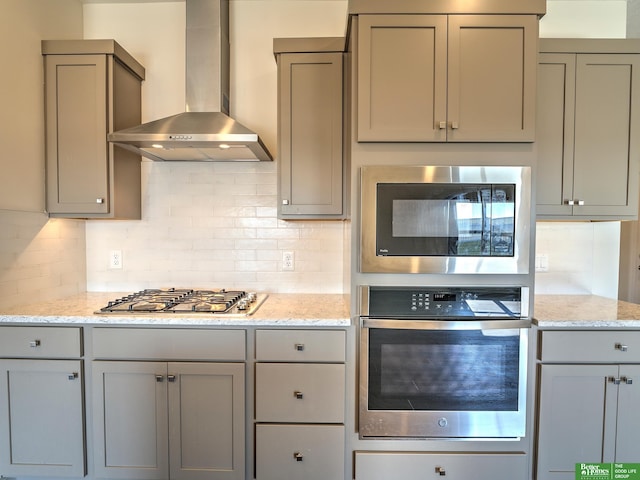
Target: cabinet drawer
<point x="592" y="346"/>
<point x="300" y="345"/>
<point x="421" y="466"/>
<point x="40" y="342"/>
<point x="169" y="344"/>
<point x="306" y="393"/>
<point x="309" y="452"/>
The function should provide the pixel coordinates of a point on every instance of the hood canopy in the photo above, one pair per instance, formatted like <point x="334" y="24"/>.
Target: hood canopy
<point x="204" y="132"/>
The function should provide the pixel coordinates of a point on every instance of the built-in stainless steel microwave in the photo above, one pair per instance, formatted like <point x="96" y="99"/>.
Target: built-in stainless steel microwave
<point x="445" y="219"/>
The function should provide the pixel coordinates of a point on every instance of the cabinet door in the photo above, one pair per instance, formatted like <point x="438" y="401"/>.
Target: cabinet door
<point x="577" y="418"/>
<point x="310" y="135"/>
<point x="76" y="121"/>
<point x="206" y="421"/>
<point x="628" y="433"/>
<point x="41" y="418"/>
<point x="130" y="420"/>
<point x="402" y="75"/>
<point x="606" y="121"/>
<point x="492" y="78"/>
<point x="554" y="133"/>
<point x="421" y="466"/>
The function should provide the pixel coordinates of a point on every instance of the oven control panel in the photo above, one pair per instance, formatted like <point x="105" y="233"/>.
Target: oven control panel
<point x="437" y="302"/>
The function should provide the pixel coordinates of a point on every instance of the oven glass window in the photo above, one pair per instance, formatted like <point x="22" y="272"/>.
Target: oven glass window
<point x="448" y="370"/>
<point x="445" y="219"/>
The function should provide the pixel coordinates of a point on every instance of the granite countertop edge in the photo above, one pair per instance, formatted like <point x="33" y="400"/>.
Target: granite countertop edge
<point x="319" y="310"/>
<point x="584" y="312"/>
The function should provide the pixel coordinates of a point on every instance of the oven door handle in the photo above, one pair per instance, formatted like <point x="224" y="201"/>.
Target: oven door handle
<point x="404" y="324"/>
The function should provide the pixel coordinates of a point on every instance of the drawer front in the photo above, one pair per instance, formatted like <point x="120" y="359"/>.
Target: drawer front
<point x="309" y="452"/>
<point x="40" y="342"/>
<point x="169" y="344"/>
<point x="300" y="345"/>
<point x="303" y="393"/>
<point x="592" y="346"/>
<point x="421" y="466"/>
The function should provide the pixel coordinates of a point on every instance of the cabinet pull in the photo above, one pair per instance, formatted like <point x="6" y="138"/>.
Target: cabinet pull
<point x="580" y="202"/>
<point x="570" y="202"/>
<point x="34" y="343"/>
<point x="299" y="347"/>
<point x="442" y="125"/>
<point x="298" y="395"/>
<point x="72" y="376"/>
<point x="627" y="380"/>
<point x="99" y="201"/>
<point x="441" y="471"/>
<point x="298" y="456"/>
<point x="622" y="347"/>
<point x="171" y="378"/>
<point x="454" y="125"/>
<point x="159" y="378"/>
<point x="614" y="380"/>
<point x="285" y="202"/>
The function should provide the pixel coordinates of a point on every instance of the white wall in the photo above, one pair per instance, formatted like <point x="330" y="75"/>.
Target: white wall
<point x="39" y="259"/>
<point x="208" y="224"/>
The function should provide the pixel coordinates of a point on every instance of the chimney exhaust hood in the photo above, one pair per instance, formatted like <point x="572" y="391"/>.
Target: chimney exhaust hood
<point x="204" y="132"/>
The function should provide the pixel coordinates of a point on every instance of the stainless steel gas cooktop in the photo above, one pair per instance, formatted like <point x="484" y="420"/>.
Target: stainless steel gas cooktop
<point x="185" y="300"/>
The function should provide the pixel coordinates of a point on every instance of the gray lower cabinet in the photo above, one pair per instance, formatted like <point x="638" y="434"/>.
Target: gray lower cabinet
<point x="92" y="88"/>
<point x="176" y="420"/>
<point x="587" y="122"/>
<point x="310" y="128"/>
<point x="587" y="412"/>
<point x="169" y="404"/>
<point x="41" y="403"/>
<point x="300" y="404"/>
<point x="424" y="466"/>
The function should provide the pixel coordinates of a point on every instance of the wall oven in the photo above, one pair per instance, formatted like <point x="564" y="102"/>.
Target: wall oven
<point x="443" y="362"/>
<point x="445" y="219"/>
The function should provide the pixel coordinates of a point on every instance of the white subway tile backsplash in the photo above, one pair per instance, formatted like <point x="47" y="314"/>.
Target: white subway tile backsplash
<point x="215" y="225"/>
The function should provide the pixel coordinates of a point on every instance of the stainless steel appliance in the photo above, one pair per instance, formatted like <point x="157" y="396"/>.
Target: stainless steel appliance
<point x="445" y="219"/>
<point x="443" y="362"/>
<point x="187" y="301"/>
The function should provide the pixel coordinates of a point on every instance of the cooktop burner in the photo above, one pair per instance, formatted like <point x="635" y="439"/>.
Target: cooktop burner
<point x="182" y="300"/>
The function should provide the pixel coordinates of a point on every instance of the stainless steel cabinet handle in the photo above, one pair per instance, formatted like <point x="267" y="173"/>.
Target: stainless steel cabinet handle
<point x="171" y="378"/>
<point x="34" y="343"/>
<point x="614" y="380"/>
<point x="627" y="380"/>
<point x="100" y="201"/>
<point x="285" y="202"/>
<point x="569" y="202"/>
<point x="72" y="376"/>
<point x="622" y="347"/>
<point x="580" y="202"/>
<point x="159" y="378"/>
<point x="299" y="347"/>
<point x="298" y="456"/>
<point x="441" y="471"/>
<point x="442" y="125"/>
<point x="298" y="395"/>
<point x="454" y="125"/>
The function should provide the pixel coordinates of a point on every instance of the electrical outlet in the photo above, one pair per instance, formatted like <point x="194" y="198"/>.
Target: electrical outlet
<point x="288" y="263"/>
<point x="115" y="259"/>
<point x="542" y="262"/>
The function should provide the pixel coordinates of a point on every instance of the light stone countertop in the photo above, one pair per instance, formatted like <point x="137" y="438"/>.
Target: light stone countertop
<point x="325" y="310"/>
<point x="584" y="311"/>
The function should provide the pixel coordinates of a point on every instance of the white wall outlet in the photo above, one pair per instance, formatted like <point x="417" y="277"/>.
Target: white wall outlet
<point x="288" y="262"/>
<point x="542" y="262"/>
<point x="115" y="259"/>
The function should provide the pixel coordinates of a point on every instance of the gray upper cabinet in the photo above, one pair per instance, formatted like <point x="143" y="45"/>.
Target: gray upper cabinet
<point x="588" y="120"/>
<point x="446" y="78"/>
<point x="92" y="87"/>
<point x="310" y="128"/>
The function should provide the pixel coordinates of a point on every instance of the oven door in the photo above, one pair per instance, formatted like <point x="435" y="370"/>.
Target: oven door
<point x="442" y="379"/>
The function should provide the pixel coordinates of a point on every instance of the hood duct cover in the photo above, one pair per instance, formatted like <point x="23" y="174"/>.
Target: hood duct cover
<point x="204" y="132"/>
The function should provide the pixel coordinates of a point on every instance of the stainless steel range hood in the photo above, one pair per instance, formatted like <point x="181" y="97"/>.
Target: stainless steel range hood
<point x="204" y="132"/>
